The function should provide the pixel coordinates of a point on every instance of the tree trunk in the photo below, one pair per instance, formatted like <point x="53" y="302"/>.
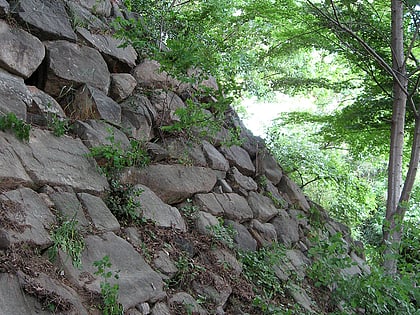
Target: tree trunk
<point x="392" y="228"/>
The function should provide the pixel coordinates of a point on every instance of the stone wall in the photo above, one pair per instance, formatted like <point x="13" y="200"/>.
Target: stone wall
<point x="58" y="61"/>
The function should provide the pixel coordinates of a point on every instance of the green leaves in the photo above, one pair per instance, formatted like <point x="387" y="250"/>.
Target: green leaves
<point x="67" y="237"/>
<point x="109" y="292"/>
<point x="18" y="126"/>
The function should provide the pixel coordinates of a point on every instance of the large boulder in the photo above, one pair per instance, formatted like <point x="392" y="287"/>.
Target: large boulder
<point x="208" y="203"/>
<point x="153" y="208"/>
<point x="263" y="207"/>
<point x="98" y="212"/>
<point x="243" y="238"/>
<point x="118" y="58"/>
<point x="166" y="103"/>
<point x="240" y="183"/>
<point x="14" y="300"/>
<point x="287" y="229"/>
<point x="138" y="116"/>
<point x="95" y="133"/>
<point x="268" y="166"/>
<point x="122" y="85"/>
<point x="71" y="65"/>
<point x="48" y="19"/>
<point x="12" y="171"/>
<point x="215" y="159"/>
<point x="21" y="52"/>
<point x="80" y="16"/>
<point x="58" y="161"/>
<point x="137" y="281"/>
<point x="54" y="288"/>
<point x="69" y="208"/>
<point x="185" y="152"/>
<point x="172" y="183"/>
<point x="14" y="95"/>
<point x="25" y="217"/>
<point x="294" y="193"/>
<point x="235" y="207"/>
<point x="239" y="158"/>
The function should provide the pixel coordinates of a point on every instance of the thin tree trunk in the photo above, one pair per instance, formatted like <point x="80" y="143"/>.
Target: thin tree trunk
<point x="392" y="228"/>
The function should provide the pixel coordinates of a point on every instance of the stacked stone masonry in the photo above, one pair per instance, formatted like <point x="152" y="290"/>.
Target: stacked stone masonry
<point x="51" y="66"/>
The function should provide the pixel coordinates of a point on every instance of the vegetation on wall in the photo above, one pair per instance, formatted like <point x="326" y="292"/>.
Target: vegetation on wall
<point x="344" y="55"/>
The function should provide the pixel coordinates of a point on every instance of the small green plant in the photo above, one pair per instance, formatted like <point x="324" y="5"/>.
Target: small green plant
<point x="223" y="233"/>
<point x="109" y="292"/>
<point x="20" y="128"/>
<point x="68" y="238"/>
<point x="258" y="268"/>
<point x="122" y="201"/>
<point x="59" y="126"/>
<point x="189" y="210"/>
<point x="193" y="117"/>
<point x="112" y="157"/>
<point x="188" y="270"/>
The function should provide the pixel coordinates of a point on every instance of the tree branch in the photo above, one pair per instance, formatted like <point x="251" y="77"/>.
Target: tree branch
<point x="365" y="46"/>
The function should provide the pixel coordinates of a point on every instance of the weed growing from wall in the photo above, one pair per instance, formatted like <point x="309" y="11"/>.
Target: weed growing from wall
<point x="122" y="201"/>
<point x="67" y="237"/>
<point x="58" y="125"/>
<point x="188" y="270"/>
<point x="109" y="292"/>
<point x="20" y="128"/>
<point x="223" y="233"/>
<point x="112" y="157"/>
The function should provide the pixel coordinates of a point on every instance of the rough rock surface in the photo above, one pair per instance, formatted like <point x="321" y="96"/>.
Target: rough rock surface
<point x="95" y="133"/>
<point x="240" y="158"/>
<point x="243" y="238"/>
<point x="153" y="208"/>
<point x="172" y="183"/>
<point x="137" y="281"/>
<point x="268" y="166"/>
<point x="235" y="207"/>
<point x="101" y="8"/>
<point x="71" y="65"/>
<point x="188" y="303"/>
<point x="26" y="217"/>
<point x="101" y="216"/>
<point x="148" y="75"/>
<point x="21" y="53"/>
<point x="46" y="18"/>
<point x="122" y="85"/>
<point x="12" y="172"/>
<point x="111" y="49"/>
<point x="58" y="161"/>
<point x="92" y="103"/>
<point x="14" y="95"/>
<point x="14" y="300"/>
<point x="44" y="109"/>
<point x="69" y="207"/>
<point x="294" y="193"/>
<point x="262" y="207"/>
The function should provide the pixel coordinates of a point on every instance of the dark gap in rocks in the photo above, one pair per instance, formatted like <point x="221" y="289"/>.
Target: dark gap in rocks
<point x="39" y="77"/>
